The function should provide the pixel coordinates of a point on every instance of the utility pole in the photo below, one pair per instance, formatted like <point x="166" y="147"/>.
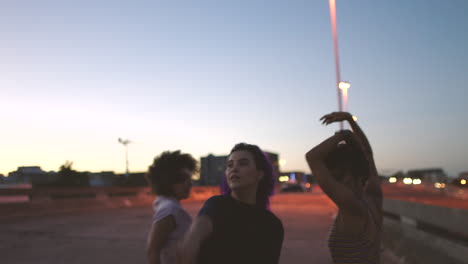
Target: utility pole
<point x="125" y="142"/>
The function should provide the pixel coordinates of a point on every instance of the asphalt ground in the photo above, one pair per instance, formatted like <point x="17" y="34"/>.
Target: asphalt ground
<point x="118" y="235"/>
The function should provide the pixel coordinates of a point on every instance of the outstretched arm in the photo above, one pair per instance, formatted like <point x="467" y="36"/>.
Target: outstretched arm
<point x="345" y="116"/>
<point x="373" y="184"/>
<point x="341" y="195"/>
<point x="201" y="228"/>
<point x="157" y="238"/>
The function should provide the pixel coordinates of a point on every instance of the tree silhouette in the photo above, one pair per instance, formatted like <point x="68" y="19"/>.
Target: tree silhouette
<point x="67" y="176"/>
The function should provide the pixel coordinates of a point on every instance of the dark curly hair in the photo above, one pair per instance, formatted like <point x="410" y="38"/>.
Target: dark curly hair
<point x="266" y="185"/>
<point x="166" y="171"/>
<point x="347" y="157"/>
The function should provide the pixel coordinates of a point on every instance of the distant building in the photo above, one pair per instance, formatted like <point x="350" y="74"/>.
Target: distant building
<point x="428" y="175"/>
<point x="32" y="175"/>
<point x="103" y="178"/>
<point x="212" y="168"/>
<point x="463" y="175"/>
<point x="134" y="179"/>
<point x="2" y="178"/>
<point x="310" y="178"/>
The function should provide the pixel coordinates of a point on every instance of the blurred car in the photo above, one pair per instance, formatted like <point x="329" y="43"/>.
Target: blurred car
<point x="296" y="187"/>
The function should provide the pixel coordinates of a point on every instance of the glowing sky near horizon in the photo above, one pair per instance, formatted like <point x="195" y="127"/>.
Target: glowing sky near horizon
<point x="203" y="75"/>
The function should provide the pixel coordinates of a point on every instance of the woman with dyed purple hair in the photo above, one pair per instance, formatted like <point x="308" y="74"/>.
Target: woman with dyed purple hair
<point x="237" y="226"/>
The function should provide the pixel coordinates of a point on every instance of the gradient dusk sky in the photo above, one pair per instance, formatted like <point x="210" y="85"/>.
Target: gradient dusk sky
<point x="203" y="75"/>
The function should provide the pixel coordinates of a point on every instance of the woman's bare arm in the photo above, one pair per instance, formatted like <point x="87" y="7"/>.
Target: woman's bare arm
<point x="201" y="228"/>
<point x="159" y="234"/>
<point x="373" y="183"/>
<point x="345" y="116"/>
<point x="341" y="195"/>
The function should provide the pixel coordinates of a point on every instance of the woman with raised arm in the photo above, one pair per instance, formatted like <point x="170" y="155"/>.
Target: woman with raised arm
<point x="345" y="170"/>
<point x="237" y="227"/>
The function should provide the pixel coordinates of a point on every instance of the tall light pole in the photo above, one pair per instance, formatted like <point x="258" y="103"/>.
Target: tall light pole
<point x="125" y="142"/>
<point x="341" y="87"/>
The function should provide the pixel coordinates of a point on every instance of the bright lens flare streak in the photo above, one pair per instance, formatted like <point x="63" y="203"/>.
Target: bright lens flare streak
<point x="345" y="99"/>
<point x="337" y="58"/>
<point x="344" y="86"/>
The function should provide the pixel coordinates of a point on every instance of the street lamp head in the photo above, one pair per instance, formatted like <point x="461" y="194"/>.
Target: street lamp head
<point x="344" y="85"/>
<point x="124" y="141"/>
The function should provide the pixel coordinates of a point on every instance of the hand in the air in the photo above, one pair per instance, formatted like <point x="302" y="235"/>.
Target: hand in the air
<point x="335" y="117"/>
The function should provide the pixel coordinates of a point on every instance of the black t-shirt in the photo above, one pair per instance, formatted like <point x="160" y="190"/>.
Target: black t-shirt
<point x="242" y="233"/>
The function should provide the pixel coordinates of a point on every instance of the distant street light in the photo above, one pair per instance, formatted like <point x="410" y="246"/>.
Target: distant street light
<point x="407" y="181"/>
<point x="282" y="162"/>
<point x="417" y="181"/>
<point x="344" y="85"/>
<point x="283" y="178"/>
<point x="125" y="142"/>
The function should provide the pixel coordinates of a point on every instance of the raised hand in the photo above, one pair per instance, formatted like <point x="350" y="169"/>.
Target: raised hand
<point x="336" y="117"/>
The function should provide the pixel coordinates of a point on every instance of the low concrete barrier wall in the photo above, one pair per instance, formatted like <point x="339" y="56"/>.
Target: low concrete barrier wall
<point x="421" y="233"/>
<point x="450" y="190"/>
